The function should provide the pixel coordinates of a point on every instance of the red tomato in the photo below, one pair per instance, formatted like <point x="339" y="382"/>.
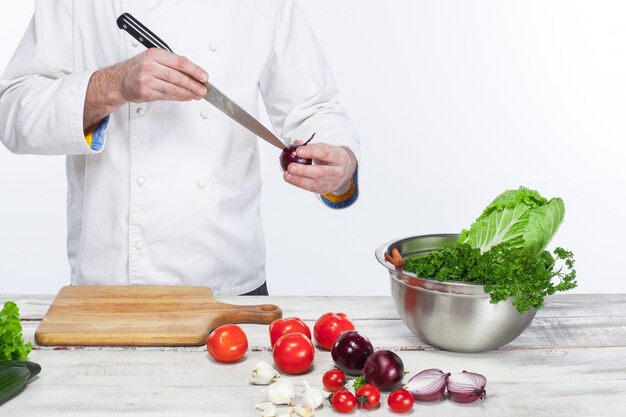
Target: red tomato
<point x="328" y="328"/>
<point x="227" y="343"/>
<point x="343" y="401"/>
<point x="294" y="353"/>
<point x="400" y="401"/>
<point x="367" y="396"/>
<point x="334" y="380"/>
<point x="280" y="327"/>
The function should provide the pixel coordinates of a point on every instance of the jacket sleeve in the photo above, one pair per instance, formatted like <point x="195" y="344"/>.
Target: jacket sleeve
<point x="41" y="96"/>
<point x="298" y="87"/>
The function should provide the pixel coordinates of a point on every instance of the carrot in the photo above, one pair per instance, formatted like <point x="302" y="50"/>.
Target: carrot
<point x="395" y="258"/>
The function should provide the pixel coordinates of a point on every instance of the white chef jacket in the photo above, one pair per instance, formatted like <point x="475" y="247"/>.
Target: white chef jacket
<point x="173" y="196"/>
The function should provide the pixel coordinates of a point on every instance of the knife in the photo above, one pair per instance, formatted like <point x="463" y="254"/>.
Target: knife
<point x="214" y="96"/>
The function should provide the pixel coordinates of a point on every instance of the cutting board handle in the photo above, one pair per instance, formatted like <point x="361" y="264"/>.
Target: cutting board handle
<point x="257" y="314"/>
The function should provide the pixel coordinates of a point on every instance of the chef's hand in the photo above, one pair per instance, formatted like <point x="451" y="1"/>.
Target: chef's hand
<point x="153" y="75"/>
<point x="157" y="74"/>
<point x="332" y="170"/>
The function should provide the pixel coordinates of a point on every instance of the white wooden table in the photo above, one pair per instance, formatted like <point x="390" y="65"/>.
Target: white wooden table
<point x="571" y="361"/>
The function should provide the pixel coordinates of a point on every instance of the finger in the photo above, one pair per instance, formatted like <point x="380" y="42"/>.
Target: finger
<point x="181" y="80"/>
<point x="325" y="153"/>
<point x="321" y="172"/>
<point x="309" y="184"/>
<point x="171" y="92"/>
<point x="181" y="64"/>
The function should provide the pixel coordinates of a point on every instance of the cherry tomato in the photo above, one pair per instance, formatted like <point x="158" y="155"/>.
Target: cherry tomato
<point x="294" y="353"/>
<point x="280" y="327"/>
<point x="328" y="328"/>
<point x="343" y="401"/>
<point x="367" y="396"/>
<point x="227" y="343"/>
<point x="400" y="401"/>
<point x="334" y="380"/>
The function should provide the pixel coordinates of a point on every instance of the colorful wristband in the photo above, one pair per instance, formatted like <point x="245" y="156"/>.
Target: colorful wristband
<point x="95" y="137"/>
<point x="346" y="199"/>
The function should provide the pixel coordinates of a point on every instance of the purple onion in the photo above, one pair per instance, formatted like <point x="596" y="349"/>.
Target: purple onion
<point x="466" y="387"/>
<point x="350" y="351"/>
<point x="289" y="156"/>
<point x="428" y="385"/>
<point x="384" y="369"/>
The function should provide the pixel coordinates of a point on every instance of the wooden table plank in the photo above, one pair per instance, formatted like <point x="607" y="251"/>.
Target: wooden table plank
<point x="543" y="333"/>
<point x="576" y="382"/>
<point x="34" y="307"/>
<point x="569" y="362"/>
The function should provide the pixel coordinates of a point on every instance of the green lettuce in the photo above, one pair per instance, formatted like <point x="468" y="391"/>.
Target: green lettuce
<point x="522" y="218"/>
<point x="12" y="346"/>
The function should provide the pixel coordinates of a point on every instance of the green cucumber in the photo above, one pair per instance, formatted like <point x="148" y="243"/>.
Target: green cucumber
<point x="12" y="380"/>
<point x="33" y="367"/>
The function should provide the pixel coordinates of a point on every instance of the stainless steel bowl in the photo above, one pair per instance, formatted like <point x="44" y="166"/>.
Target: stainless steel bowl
<point x="454" y="316"/>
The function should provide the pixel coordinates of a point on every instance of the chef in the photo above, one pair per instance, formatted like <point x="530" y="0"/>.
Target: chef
<point x="163" y="188"/>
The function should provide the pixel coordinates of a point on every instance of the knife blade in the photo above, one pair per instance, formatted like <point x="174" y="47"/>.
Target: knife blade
<point x="214" y="96"/>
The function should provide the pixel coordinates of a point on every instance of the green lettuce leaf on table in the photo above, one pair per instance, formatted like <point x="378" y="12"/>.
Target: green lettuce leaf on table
<point x="12" y="346"/>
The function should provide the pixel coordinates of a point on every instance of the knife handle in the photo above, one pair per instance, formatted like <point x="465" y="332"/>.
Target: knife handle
<point x="137" y="30"/>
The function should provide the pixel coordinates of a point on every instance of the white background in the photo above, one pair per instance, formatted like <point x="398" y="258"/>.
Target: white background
<point x="455" y="101"/>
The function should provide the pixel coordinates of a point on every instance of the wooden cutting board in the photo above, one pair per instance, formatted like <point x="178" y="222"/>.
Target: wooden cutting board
<point x="141" y="316"/>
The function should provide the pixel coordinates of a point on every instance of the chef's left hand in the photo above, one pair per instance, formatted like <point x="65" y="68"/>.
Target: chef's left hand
<point x="332" y="170"/>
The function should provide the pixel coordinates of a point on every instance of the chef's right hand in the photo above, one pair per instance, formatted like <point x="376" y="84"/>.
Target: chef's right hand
<point x="157" y="74"/>
<point x="153" y="75"/>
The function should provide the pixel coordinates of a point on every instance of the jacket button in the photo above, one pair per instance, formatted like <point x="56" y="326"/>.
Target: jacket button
<point x="134" y="43"/>
<point x="212" y="47"/>
<point x="204" y="113"/>
<point x="139" y="245"/>
<point x="201" y="184"/>
<point x="141" y="111"/>
<point x="141" y="181"/>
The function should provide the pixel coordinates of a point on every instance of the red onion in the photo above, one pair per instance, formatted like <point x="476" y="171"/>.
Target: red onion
<point x="384" y="369"/>
<point x="289" y="156"/>
<point x="428" y="385"/>
<point x="466" y="387"/>
<point x="350" y="351"/>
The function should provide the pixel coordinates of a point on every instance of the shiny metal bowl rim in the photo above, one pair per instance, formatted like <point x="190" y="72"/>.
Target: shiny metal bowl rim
<point x="428" y="284"/>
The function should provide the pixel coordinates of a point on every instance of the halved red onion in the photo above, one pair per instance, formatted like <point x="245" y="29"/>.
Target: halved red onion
<point x="466" y="387"/>
<point x="428" y="385"/>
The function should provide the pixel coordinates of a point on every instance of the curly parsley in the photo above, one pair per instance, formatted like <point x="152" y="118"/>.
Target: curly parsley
<point x="503" y="270"/>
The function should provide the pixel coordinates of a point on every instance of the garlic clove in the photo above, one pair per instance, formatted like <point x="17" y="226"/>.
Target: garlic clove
<point x="281" y="392"/>
<point x="303" y="412"/>
<point x="267" y="409"/>
<point x="312" y="398"/>
<point x="263" y="374"/>
<point x="349" y="386"/>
